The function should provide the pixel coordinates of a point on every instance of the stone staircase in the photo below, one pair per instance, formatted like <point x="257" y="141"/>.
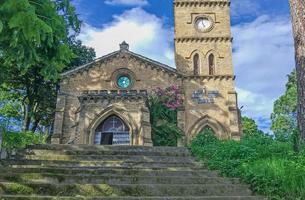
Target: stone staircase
<point x="113" y="173"/>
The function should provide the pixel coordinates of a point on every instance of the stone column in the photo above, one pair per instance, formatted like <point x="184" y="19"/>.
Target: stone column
<point x="181" y="124"/>
<point x="59" y="119"/>
<point x="234" y="118"/>
<point x="146" y="127"/>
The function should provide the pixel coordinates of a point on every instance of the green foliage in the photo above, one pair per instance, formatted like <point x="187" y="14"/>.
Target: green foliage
<point x="83" y="54"/>
<point x="164" y="123"/>
<point x="249" y="126"/>
<point x="35" y="36"/>
<point x="284" y="118"/>
<point x="37" y="41"/>
<point x="16" y="140"/>
<point x="10" y="109"/>
<point x="270" y="166"/>
<point x="280" y="178"/>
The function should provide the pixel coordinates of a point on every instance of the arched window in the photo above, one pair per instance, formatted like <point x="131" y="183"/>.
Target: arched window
<point x="112" y="131"/>
<point x="196" y="63"/>
<point x="211" y="61"/>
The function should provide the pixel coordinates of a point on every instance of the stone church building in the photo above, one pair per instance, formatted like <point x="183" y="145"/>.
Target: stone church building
<point x="104" y="102"/>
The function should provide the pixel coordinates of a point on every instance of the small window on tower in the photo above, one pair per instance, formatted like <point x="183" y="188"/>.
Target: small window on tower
<point x="211" y="64"/>
<point x="196" y="63"/>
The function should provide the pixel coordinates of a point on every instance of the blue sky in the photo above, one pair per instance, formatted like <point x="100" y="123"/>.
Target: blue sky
<point x="263" y="51"/>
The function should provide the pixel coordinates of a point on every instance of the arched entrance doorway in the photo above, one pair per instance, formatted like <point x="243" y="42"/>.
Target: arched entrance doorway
<point x="112" y="131"/>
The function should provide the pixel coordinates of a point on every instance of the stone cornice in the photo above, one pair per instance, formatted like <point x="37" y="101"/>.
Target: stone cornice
<point x="185" y="3"/>
<point x="96" y="98"/>
<point x="95" y="95"/>
<point x="149" y="62"/>
<point x="88" y="65"/>
<point x="203" y="39"/>
<point x="211" y="77"/>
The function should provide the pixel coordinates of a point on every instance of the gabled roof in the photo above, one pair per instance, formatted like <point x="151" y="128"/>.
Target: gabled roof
<point x="124" y="48"/>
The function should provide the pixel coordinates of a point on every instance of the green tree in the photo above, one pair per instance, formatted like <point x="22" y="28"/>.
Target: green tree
<point x="34" y="49"/>
<point x="10" y="109"/>
<point x="83" y="54"/>
<point x="249" y="126"/>
<point x="284" y="116"/>
<point x="297" y="9"/>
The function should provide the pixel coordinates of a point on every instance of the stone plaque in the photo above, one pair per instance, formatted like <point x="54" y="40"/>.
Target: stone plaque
<point x="203" y="96"/>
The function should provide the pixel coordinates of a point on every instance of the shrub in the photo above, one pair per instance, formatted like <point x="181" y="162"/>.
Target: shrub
<point x="271" y="167"/>
<point x="17" y="140"/>
<point x="276" y="177"/>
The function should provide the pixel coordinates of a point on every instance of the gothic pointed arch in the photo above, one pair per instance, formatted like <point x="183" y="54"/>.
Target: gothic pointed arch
<point x="112" y="131"/>
<point x="113" y="110"/>
<point x="211" y="64"/>
<point x="207" y="121"/>
<point x="196" y="64"/>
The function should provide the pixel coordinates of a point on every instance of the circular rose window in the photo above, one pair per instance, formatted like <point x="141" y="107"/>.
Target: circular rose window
<point x="123" y="81"/>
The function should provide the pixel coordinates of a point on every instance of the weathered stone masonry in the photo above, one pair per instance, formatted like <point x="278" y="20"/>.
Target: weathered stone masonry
<point x="203" y="52"/>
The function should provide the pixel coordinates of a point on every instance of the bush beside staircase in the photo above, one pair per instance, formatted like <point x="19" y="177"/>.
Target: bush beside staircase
<point x="113" y="173"/>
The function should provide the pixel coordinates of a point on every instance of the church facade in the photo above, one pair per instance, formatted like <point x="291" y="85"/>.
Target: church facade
<point x="104" y="102"/>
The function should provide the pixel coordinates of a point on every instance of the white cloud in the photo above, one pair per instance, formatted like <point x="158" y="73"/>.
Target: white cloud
<point x="254" y="105"/>
<point x="244" y="7"/>
<point x="263" y="56"/>
<point x="127" y="2"/>
<point x="145" y="33"/>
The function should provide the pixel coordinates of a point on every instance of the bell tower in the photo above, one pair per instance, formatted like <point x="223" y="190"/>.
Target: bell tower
<point x="203" y="55"/>
<point x="203" y="41"/>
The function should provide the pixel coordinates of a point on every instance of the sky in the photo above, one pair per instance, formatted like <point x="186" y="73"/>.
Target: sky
<point x="263" y="53"/>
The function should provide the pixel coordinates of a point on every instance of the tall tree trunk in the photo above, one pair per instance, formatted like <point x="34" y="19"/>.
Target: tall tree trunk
<point x="26" y="118"/>
<point x="35" y="125"/>
<point x="298" y="21"/>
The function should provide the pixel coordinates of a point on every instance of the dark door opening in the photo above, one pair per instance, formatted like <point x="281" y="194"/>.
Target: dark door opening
<point x="107" y="139"/>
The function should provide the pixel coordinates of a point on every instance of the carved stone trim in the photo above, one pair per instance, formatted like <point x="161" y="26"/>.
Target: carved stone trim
<point x="152" y="63"/>
<point x="120" y="72"/>
<point x="203" y="39"/>
<point x="213" y="77"/>
<point x="190" y="3"/>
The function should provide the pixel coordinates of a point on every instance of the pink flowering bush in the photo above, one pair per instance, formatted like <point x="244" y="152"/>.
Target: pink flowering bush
<point x="171" y="97"/>
<point x="163" y="106"/>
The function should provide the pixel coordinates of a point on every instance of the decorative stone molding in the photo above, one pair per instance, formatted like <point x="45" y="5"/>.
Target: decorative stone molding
<point x="203" y="39"/>
<point x="122" y="54"/>
<point x="210" y="77"/>
<point x="120" y="72"/>
<point x="190" y="3"/>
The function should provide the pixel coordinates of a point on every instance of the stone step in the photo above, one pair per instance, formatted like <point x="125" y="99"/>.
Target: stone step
<point x="110" y="179"/>
<point x="97" y="148"/>
<point x="125" y="158"/>
<point x="97" y="163"/>
<point x="29" y="197"/>
<point x="125" y="189"/>
<point x="103" y="152"/>
<point x="112" y="171"/>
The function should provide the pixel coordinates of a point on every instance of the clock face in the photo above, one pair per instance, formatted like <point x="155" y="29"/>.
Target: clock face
<point x="124" y="82"/>
<point x="203" y="24"/>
